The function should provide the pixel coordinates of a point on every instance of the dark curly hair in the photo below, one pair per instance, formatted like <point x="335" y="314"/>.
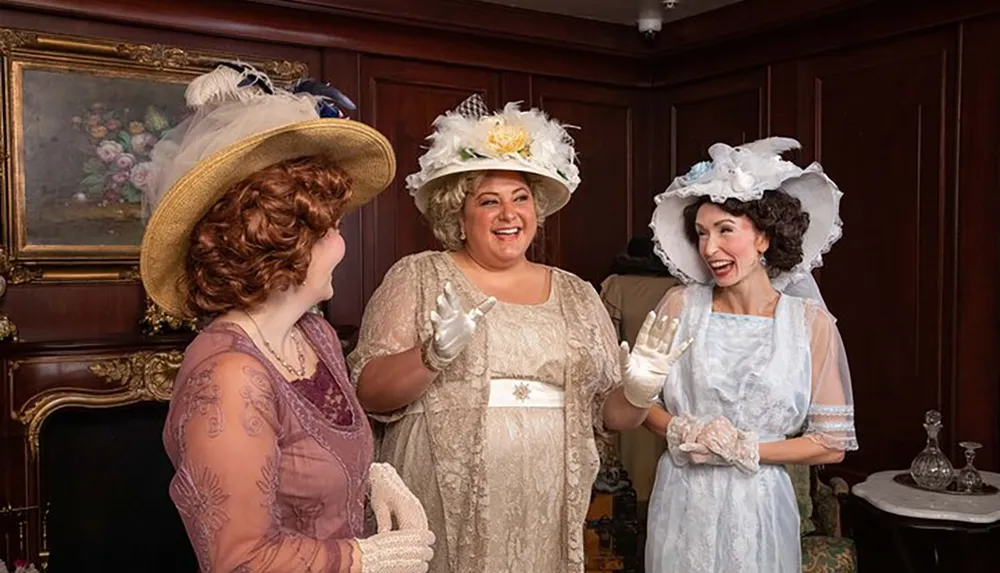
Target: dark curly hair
<point x="776" y="214"/>
<point x="258" y="238"/>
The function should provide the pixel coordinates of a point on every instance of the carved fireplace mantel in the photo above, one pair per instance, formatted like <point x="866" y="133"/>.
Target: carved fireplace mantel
<point x="40" y="380"/>
<point x="141" y="376"/>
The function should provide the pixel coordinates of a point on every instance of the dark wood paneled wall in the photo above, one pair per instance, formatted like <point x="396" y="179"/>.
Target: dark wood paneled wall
<point x="899" y="101"/>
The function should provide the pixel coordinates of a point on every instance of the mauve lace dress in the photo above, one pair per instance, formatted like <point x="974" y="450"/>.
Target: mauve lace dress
<point x="271" y="475"/>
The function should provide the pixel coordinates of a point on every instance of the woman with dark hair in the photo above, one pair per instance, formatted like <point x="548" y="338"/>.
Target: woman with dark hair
<point x="272" y="450"/>
<point x="743" y="232"/>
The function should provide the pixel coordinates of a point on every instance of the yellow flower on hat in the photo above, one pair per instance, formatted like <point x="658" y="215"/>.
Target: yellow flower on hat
<point x="506" y="139"/>
<point x="470" y="138"/>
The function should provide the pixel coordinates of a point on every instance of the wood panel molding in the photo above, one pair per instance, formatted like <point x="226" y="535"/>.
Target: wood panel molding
<point x="611" y="146"/>
<point x="741" y="19"/>
<point x="875" y="118"/>
<point x="690" y="118"/>
<point x="401" y="99"/>
<point x="489" y="20"/>
<point x="362" y="33"/>
<point x="974" y="365"/>
<point x="843" y="24"/>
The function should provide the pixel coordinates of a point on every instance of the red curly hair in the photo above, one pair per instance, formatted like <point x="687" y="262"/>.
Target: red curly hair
<point x="258" y="238"/>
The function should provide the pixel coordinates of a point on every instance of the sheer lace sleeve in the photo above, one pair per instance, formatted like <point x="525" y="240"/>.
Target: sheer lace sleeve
<point x="389" y="325"/>
<point x="672" y="302"/>
<point x="605" y="355"/>
<point x="830" y="420"/>
<point x="224" y="420"/>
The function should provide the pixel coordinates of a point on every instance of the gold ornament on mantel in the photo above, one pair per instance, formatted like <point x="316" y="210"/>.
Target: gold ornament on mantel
<point x="156" y="321"/>
<point x="145" y="376"/>
<point x="140" y="377"/>
<point x="8" y="330"/>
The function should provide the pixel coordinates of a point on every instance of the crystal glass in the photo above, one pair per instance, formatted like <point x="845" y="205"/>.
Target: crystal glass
<point x="931" y="468"/>
<point x="968" y="479"/>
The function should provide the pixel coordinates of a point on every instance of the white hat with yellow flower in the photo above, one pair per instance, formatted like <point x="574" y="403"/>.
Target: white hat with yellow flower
<point x="469" y="138"/>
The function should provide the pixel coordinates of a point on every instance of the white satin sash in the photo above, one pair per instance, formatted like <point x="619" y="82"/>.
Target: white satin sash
<point x="513" y="393"/>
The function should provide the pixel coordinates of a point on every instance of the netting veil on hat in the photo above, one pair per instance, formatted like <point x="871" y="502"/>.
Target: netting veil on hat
<point x="231" y="103"/>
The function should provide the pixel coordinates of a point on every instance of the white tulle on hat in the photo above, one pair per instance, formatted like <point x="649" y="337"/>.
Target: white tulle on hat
<point x="745" y="172"/>
<point x="469" y="138"/>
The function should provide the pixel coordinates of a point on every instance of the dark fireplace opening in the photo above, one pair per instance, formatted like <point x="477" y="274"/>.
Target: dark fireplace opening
<point x="104" y="477"/>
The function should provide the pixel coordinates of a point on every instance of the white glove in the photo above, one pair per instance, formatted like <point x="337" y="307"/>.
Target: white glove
<point x="406" y="551"/>
<point x="645" y="369"/>
<point x="735" y="447"/>
<point x="391" y="498"/>
<point x="453" y="328"/>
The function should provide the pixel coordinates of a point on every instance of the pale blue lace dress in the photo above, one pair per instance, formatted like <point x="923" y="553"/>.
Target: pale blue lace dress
<point x="773" y="376"/>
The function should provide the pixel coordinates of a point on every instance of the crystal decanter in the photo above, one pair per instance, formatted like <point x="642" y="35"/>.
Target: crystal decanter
<point x="931" y="468"/>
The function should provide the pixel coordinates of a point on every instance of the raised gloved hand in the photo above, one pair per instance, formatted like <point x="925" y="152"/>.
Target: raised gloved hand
<point x="391" y="498"/>
<point x="645" y="368"/>
<point x="403" y="551"/>
<point x="735" y="447"/>
<point x="453" y="328"/>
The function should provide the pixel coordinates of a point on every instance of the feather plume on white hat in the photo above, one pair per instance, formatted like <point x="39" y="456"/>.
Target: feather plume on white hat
<point x="469" y="138"/>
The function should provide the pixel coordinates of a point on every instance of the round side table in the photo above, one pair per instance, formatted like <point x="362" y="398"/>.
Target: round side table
<point x="946" y="532"/>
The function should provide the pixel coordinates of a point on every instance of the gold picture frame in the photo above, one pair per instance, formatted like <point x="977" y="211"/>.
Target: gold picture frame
<point x="79" y="118"/>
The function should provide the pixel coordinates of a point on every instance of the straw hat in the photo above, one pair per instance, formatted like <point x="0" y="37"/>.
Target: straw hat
<point x="469" y="138"/>
<point x="745" y="173"/>
<point x="243" y="124"/>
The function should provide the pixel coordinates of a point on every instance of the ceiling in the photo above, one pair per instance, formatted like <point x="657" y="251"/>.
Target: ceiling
<point x="617" y="11"/>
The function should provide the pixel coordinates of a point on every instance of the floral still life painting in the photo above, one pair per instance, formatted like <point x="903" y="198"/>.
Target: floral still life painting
<point x="87" y="140"/>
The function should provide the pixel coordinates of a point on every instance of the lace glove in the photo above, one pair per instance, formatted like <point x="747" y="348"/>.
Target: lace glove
<point x="391" y="498"/>
<point x="682" y="431"/>
<point x="645" y="369"/>
<point x="735" y="446"/>
<point x="453" y="328"/>
<point x="406" y="551"/>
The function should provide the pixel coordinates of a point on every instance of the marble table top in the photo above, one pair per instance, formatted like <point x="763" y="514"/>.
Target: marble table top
<point x="881" y="491"/>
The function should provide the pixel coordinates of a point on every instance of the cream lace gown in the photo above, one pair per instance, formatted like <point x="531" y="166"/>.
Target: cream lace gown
<point x="776" y="377"/>
<point x="527" y="510"/>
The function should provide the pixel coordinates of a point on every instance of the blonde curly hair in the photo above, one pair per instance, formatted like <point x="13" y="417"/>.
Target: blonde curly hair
<point x="446" y="203"/>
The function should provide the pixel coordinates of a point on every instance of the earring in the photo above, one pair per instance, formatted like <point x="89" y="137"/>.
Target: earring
<point x="763" y="260"/>
<point x="461" y="234"/>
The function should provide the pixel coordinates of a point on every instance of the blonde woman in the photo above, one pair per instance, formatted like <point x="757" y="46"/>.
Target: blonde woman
<point x="494" y="374"/>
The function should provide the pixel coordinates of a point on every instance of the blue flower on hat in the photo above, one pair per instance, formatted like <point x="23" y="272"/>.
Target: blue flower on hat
<point x="697" y="170"/>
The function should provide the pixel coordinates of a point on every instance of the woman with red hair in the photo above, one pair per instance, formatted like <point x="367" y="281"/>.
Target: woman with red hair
<point x="272" y="450"/>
